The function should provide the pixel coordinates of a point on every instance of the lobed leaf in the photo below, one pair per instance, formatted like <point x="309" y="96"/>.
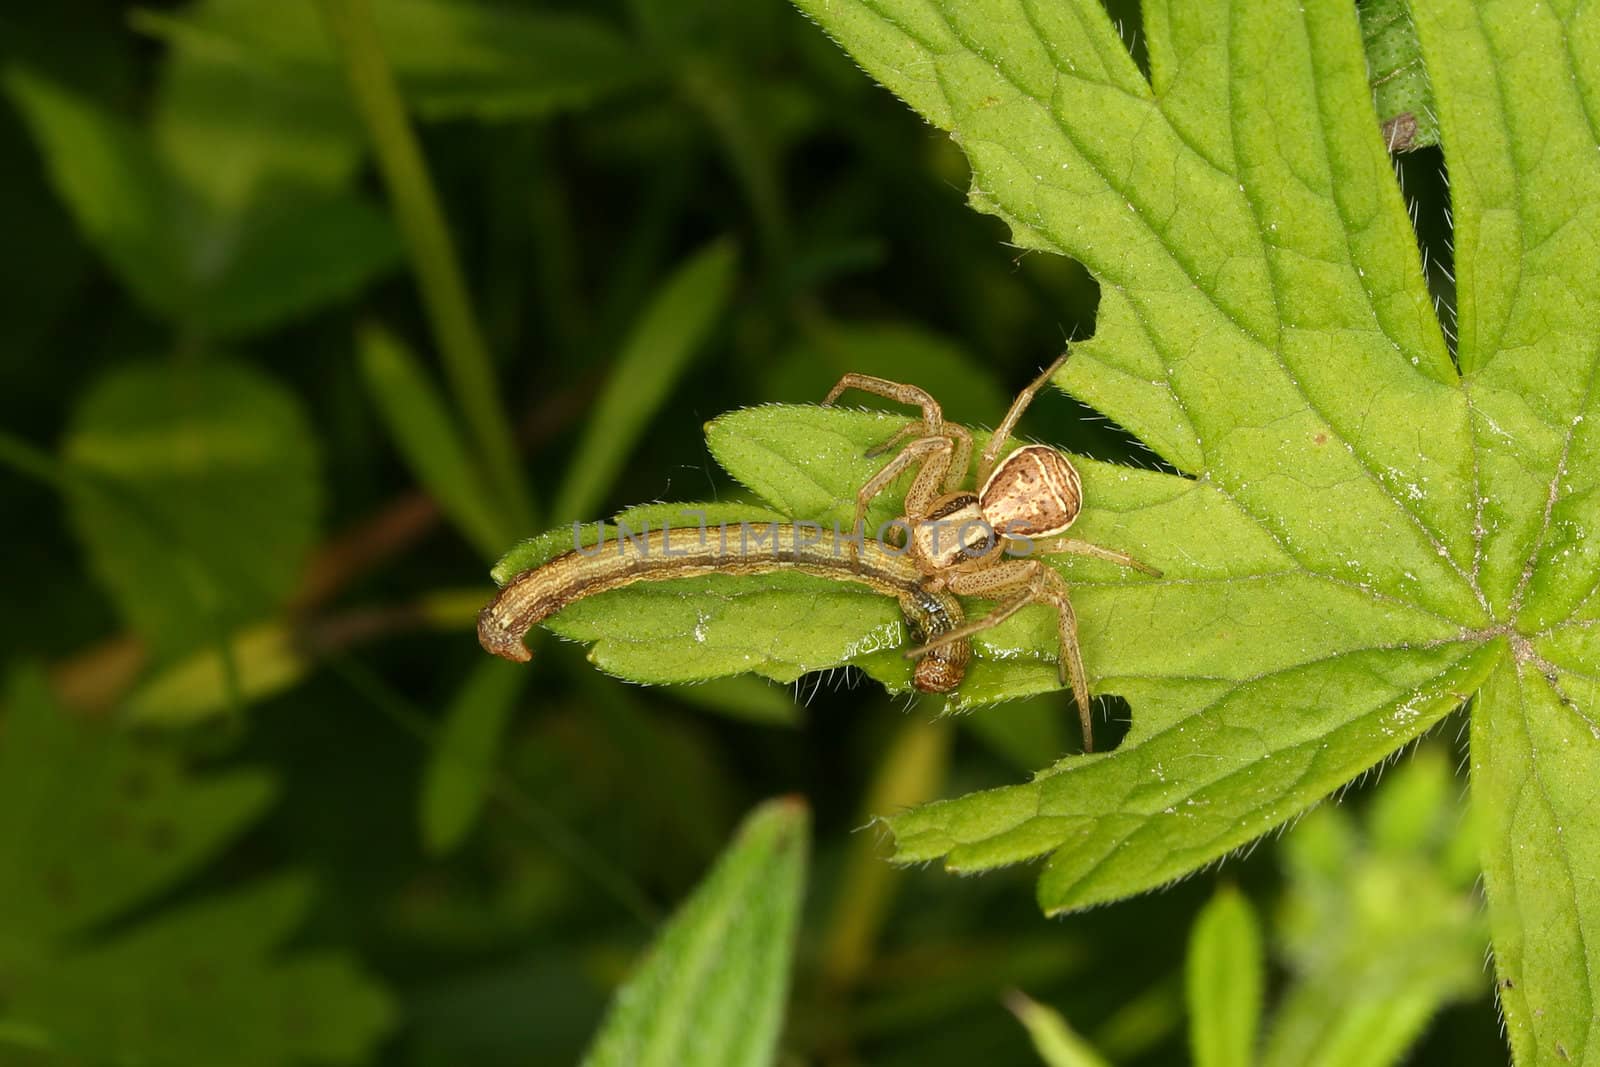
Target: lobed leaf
<point x="1517" y="99"/>
<point x="98" y="822"/>
<point x="1401" y="534"/>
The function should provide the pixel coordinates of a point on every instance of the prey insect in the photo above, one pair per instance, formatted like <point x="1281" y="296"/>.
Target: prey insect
<point x="931" y="614"/>
<point x="983" y="542"/>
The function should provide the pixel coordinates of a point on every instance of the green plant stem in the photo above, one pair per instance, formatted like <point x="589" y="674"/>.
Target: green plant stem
<point x="562" y="839"/>
<point x="416" y="206"/>
<point x="912" y="772"/>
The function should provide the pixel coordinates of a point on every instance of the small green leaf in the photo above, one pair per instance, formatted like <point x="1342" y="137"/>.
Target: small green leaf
<point x="1400" y="88"/>
<point x="452" y="59"/>
<point x="1224" y="978"/>
<point x="229" y="129"/>
<point x="427" y="435"/>
<point x="95" y="821"/>
<point x="714" y="985"/>
<point x="461" y="766"/>
<point x="256" y="663"/>
<point x="1378" y="929"/>
<point x="807" y="461"/>
<point x="290" y="250"/>
<point x="668" y="335"/>
<point x="680" y="630"/>
<point x="196" y="495"/>
<point x="209" y="264"/>
<point x="124" y="201"/>
<point x="1056" y="1042"/>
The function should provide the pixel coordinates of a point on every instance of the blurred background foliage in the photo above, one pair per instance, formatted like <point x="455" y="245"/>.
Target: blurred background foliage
<point x="289" y="360"/>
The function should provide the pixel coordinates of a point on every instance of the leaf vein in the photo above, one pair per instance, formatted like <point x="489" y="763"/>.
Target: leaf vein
<point x="1554" y="491"/>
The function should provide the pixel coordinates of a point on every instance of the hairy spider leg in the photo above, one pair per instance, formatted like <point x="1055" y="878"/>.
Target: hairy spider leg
<point x="1067" y="545"/>
<point x="1026" y="581"/>
<point x="960" y="454"/>
<point x="997" y="443"/>
<point x="932" y="425"/>
<point x="933" y="453"/>
<point x="932" y="415"/>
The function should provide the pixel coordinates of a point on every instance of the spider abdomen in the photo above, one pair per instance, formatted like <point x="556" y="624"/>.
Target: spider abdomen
<point x="1034" y="492"/>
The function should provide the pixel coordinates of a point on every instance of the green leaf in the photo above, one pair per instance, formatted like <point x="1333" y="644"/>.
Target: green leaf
<point x="195" y="494"/>
<point x="258" y="662"/>
<point x="1534" y="771"/>
<point x="1378" y="928"/>
<point x="780" y="626"/>
<point x="1401" y="92"/>
<point x="95" y="822"/>
<point x="185" y="250"/>
<point x="461" y="766"/>
<point x="672" y="331"/>
<point x="713" y="986"/>
<point x="429" y="438"/>
<point x="1369" y="536"/>
<point x="229" y="128"/>
<point x="290" y="250"/>
<point x="1224" y="977"/>
<point x="1516" y="109"/>
<point x="1056" y="1042"/>
<point x="124" y="201"/>
<point x="198" y="986"/>
<point x="458" y="59"/>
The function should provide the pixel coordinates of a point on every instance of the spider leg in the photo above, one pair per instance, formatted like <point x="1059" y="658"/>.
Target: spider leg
<point x="976" y="626"/>
<point x="932" y="415"/>
<point x="1069" y="546"/>
<point x="1002" y="433"/>
<point x="934" y="455"/>
<point x="911" y="429"/>
<point x="960" y="456"/>
<point x="1027" y="582"/>
<point x="1071" y="659"/>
